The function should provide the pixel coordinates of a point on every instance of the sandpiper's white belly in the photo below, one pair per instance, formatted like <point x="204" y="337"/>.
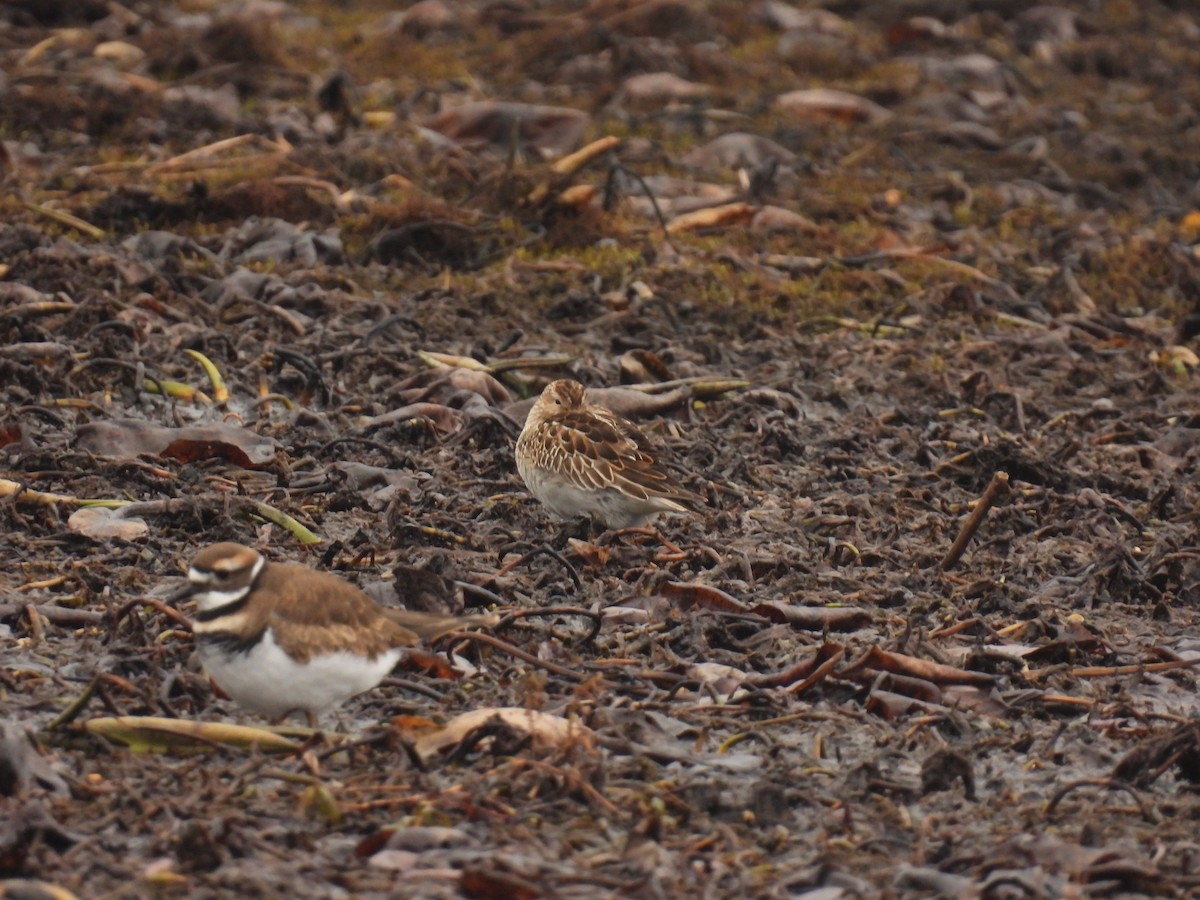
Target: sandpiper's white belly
<point x="612" y="506"/>
<point x="266" y="680"/>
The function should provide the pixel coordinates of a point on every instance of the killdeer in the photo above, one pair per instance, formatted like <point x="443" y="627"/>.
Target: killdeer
<point x="579" y="458"/>
<point x="281" y="637"/>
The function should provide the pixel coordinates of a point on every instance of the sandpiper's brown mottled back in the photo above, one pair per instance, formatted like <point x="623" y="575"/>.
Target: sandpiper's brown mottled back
<point x="579" y="458"/>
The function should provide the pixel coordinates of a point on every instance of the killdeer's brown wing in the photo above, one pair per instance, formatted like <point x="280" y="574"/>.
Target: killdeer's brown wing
<point x="320" y="613"/>
<point x="594" y="449"/>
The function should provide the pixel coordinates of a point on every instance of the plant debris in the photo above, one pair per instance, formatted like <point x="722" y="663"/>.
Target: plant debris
<point x="908" y="294"/>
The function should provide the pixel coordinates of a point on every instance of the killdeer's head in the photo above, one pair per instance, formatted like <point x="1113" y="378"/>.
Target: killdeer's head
<point x="222" y="575"/>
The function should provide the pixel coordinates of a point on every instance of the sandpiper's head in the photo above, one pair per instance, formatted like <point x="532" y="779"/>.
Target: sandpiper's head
<point x="223" y="573"/>
<point x="559" y="397"/>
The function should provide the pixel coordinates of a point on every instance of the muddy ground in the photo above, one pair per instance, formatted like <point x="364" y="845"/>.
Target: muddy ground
<point x="961" y="293"/>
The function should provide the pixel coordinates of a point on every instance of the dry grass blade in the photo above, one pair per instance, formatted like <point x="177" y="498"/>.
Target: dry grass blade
<point x="65" y="218"/>
<point x="448" y="360"/>
<point x="154" y="734"/>
<point x="220" y="391"/>
<point x="201" y="158"/>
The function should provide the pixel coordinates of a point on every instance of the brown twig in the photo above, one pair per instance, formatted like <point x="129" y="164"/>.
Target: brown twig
<point x="998" y="485"/>
<point x="538" y="551"/>
<point x="818" y="673"/>
<point x="954" y="629"/>
<point x="170" y="612"/>
<point x="597" y="618"/>
<point x="493" y="641"/>
<point x="55" y="615"/>
<point x="76" y="706"/>
<point x="1112" y="671"/>
<point x="35" y="624"/>
<point x="1111" y="784"/>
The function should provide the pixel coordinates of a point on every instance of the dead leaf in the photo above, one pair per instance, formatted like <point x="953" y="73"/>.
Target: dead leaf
<point x="725" y="678"/>
<point x="591" y="555"/>
<point x="578" y="196"/>
<point x="439" y="385"/>
<point x="691" y="596"/>
<point x="546" y="731"/>
<point x="901" y="664"/>
<point x="444" y="419"/>
<point x="725" y="216"/>
<point x="102" y="524"/>
<point x="130" y="438"/>
<point x="775" y="219"/>
<point x="1177" y="359"/>
<point x="432" y="665"/>
<point x="813" y="618"/>
<point x="889" y="705"/>
<point x="737" y="150"/>
<point x="550" y="130"/>
<point x="661" y="87"/>
<point x="155" y="734"/>
<point x="828" y="103"/>
<point x="493" y="884"/>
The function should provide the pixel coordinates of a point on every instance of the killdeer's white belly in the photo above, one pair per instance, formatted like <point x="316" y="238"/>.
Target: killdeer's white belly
<point x="266" y="680"/>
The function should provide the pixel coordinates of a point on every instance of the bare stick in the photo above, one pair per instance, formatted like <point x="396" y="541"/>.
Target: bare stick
<point x="998" y="485"/>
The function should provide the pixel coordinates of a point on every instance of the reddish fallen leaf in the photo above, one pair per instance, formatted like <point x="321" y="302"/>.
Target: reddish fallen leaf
<point x="188" y="451"/>
<point x="490" y="884"/>
<point x="414" y="723"/>
<point x="690" y="596"/>
<point x="917" y="668"/>
<point x="431" y="664"/>
<point x="10" y="433"/>
<point x="129" y="438"/>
